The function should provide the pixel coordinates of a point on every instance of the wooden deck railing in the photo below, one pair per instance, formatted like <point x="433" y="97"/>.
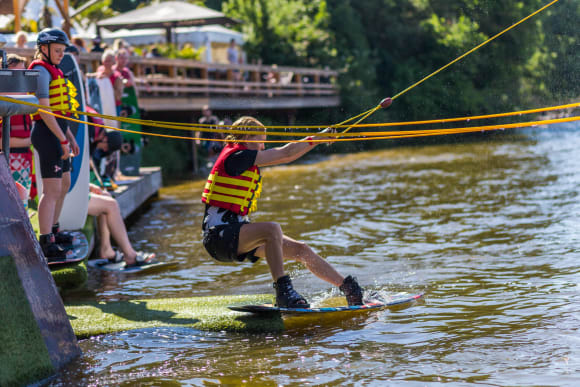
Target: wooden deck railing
<point x="177" y="84"/>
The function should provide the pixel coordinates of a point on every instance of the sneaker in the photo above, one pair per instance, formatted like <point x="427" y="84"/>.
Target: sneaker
<point x="352" y="291"/>
<point x="286" y="296"/>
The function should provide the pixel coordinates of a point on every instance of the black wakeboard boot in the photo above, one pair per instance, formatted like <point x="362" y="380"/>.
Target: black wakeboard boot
<point x="53" y="252"/>
<point x="286" y="296"/>
<point x="352" y="291"/>
<point x="63" y="238"/>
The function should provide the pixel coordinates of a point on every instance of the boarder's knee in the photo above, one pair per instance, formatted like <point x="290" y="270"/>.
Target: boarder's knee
<point x="274" y="232"/>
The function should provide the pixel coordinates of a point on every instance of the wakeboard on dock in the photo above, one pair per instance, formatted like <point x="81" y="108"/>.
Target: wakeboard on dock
<point x="400" y="300"/>
<point x="121" y="267"/>
<point x="80" y="251"/>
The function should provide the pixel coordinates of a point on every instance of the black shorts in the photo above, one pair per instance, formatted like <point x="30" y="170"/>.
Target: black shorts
<point x="221" y="242"/>
<point x="49" y="150"/>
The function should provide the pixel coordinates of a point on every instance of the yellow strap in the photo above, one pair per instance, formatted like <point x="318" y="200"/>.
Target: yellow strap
<point x="231" y="181"/>
<point x="226" y="199"/>
<point x="225" y="190"/>
<point x="251" y="174"/>
<point x="57" y="82"/>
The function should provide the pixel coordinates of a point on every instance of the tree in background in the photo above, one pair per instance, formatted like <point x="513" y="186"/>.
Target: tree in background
<point x="563" y="48"/>
<point x="383" y="46"/>
<point x="283" y="32"/>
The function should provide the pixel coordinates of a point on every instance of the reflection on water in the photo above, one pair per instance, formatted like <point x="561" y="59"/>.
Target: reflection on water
<point x="488" y="230"/>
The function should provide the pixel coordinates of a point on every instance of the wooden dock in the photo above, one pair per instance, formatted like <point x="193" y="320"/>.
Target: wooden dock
<point x="167" y="85"/>
<point x="135" y="192"/>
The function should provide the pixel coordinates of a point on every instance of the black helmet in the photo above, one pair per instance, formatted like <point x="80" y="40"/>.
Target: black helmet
<point x="52" y="35"/>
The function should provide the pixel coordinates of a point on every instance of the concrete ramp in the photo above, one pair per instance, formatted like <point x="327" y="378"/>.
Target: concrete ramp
<point x="37" y="338"/>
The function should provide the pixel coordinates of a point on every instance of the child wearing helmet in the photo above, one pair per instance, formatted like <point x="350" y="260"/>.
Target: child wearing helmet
<point x="53" y="140"/>
<point x="230" y="195"/>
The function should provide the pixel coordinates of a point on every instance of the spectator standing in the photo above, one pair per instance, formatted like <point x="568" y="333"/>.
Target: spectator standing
<point x="21" y="40"/>
<point x="122" y="66"/>
<point x="234" y="58"/>
<point x="106" y="70"/>
<point x="211" y="148"/>
<point x="97" y="45"/>
<point x="79" y="43"/>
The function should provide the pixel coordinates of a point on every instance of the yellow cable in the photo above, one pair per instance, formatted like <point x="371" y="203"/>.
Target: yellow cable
<point x="365" y="136"/>
<point x="358" y="125"/>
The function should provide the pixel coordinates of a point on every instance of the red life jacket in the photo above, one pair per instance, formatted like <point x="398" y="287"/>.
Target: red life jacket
<point x="58" y="89"/>
<point x="20" y="126"/>
<point x="235" y="193"/>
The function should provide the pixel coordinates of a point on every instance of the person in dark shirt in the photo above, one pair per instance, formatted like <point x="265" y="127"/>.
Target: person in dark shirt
<point x="231" y="194"/>
<point x="211" y="148"/>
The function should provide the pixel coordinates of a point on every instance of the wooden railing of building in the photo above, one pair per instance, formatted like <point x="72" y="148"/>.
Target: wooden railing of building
<point x="180" y="85"/>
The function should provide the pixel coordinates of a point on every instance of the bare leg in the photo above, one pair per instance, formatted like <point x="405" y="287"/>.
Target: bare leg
<point x="105" y="247"/>
<point x="275" y="247"/>
<point x="109" y="209"/>
<point x="268" y="236"/>
<point x="65" y="185"/>
<point x="51" y="192"/>
<point x="301" y="252"/>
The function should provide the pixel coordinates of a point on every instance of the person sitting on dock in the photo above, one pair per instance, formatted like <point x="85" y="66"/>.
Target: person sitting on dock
<point x="53" y="140"/>
<point x="231" y="194"/>
<point x="110" y="224"/>
<point x="106" y="208"/>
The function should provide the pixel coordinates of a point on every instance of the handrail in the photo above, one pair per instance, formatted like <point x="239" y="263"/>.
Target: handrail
<point x="159" y="78"/>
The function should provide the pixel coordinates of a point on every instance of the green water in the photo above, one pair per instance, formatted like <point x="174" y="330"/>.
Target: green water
<point x="488" y="230"/>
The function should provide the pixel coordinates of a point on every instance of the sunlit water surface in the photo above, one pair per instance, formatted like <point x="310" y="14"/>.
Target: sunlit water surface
<point x="488" y="230"/>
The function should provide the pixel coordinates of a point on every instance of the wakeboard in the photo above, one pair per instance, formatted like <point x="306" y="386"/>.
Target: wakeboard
<point x="80" y="251"/>
<point x="121" y="267"/>
<point x="398" y="300"/>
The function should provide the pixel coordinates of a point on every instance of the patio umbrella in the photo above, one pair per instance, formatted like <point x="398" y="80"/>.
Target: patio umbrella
<point x="167" y="15"/>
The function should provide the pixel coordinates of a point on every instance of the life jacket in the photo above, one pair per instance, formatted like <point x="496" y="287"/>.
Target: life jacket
<point x="238" y="194"/>
<point x="59" y="90"/>
<point x="20" y="126"/>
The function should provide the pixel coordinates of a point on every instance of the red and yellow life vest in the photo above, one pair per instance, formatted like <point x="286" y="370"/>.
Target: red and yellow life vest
<point x="60" y="97"/>
<point x="235" y="193"/>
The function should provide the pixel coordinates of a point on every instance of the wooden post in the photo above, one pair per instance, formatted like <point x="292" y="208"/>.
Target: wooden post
<point x="63" y="9"/>
<point x="17" y="15"/>
<point x="65" y="15"/>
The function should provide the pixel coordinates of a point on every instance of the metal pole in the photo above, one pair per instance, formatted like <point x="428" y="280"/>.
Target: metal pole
<point x="6" y="138"/>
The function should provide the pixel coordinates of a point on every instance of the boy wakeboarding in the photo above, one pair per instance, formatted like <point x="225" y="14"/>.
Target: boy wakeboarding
<point x="230" y="195"/>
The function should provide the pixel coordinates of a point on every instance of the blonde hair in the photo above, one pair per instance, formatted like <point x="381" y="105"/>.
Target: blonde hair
<point x="107" y="53"/>
<point x="244" y="123"/>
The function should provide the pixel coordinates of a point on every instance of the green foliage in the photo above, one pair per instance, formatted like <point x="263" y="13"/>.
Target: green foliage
<point x="562" y="60"/>
<point x="173" y="156"/>
<point x="284" y="32"/>
<point x="383" y="46"/>
<point x="99" y="11"/>
<point x="170" y="50"/>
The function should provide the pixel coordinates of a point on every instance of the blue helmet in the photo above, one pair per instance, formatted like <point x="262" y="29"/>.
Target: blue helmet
<point x="52" y="35"/>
